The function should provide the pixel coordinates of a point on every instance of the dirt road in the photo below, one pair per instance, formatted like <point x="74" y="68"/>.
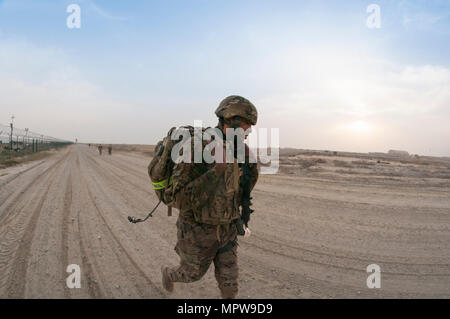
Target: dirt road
<point x="312" y="237"/>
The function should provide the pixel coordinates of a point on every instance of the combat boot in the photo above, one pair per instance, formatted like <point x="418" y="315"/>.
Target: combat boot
<point x="167" y="284"/>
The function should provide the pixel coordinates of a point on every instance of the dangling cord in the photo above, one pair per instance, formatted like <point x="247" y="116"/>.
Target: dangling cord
<point x="138" y="220"/>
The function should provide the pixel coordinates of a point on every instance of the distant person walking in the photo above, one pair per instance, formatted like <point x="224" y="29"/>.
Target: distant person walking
<point x="100" y="147"/>
<point x="109" y="149"/>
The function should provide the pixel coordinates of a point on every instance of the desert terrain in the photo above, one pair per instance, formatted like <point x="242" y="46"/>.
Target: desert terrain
<point x="317" y="225"/>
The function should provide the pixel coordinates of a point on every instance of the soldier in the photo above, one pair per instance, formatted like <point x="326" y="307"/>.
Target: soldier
<point x="100" y="147"/>
<point x="207" y="228"/>
<point x="109" y="149"/>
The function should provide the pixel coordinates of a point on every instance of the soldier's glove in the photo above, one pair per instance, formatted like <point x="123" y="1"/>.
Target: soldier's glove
<point x="242" y="229"/>
<point x="247" y="232"/>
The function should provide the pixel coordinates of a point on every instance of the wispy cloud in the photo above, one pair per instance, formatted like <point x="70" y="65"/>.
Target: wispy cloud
<point x="320" y="81"/>
<point x="424" y="16"/>
<point x="423" y="20"/>
<point x="105" y="14"/>
<point x="48" y="93"/>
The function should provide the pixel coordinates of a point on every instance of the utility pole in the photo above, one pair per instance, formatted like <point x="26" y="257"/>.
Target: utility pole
<point x="12" y="125"/>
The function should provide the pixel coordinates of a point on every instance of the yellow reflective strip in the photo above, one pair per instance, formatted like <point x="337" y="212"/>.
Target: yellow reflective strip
<point x="162" y="184"/>
<point x="159" y="185"/>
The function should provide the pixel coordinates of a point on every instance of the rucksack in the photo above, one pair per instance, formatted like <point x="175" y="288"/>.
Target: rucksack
<point x="167" y="181"/>
<point x="160" y="171"/>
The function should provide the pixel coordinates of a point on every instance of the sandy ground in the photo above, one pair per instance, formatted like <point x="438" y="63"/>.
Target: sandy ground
<point x="315" y="230"/>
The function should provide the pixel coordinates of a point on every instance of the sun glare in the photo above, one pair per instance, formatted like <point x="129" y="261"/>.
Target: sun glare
<point x="359" y="127"/>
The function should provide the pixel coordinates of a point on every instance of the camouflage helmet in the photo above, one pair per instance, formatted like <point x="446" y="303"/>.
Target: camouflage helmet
<point x="235" y="105"/>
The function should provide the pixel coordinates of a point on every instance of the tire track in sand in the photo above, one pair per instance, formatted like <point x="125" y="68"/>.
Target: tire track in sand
<point x="16" y="285"/>
<point x="121" y="178"/>
<point x="335" y="256"/>
<point x="65" y="230"/>
<point x="16" y="200"/>
<point x="122" y="250"/>
<point x="93" y="288"/>
<point x="17" y="234"/>
<point x="344" y="267"/>
<point x="10" y="179"/>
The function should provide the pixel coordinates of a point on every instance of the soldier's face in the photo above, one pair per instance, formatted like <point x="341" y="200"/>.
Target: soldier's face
<point x="247" y="127"/>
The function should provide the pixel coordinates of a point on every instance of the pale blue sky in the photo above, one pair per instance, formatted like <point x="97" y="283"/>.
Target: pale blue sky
<point x="313" y="69"/>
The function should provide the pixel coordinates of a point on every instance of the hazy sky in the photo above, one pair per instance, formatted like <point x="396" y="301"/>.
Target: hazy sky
<point x="313" y="69"/>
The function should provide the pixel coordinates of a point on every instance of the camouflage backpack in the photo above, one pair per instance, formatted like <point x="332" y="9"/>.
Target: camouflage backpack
<point x="161" y="167"/>
<point x="168" y="179"/>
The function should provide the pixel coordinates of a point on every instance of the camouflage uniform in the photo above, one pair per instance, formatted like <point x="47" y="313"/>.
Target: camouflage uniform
<point x="198" y="245"/>
<point x="209" y="209"/>
<point x="207" y="233"/>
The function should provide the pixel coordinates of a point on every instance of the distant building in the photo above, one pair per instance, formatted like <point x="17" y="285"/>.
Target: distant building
<point x="398" y="153"/>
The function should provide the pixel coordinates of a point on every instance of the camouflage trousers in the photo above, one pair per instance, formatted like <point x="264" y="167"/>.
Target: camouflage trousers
<point x="198" y="246"/>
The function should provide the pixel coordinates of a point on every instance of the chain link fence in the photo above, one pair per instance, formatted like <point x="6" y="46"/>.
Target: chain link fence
<point x="18" y="142"/>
